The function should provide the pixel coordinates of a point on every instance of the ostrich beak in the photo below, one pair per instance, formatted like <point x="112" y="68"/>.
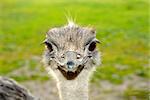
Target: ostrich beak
<point x="70" y="75"/>
<point x="72" y="67"/>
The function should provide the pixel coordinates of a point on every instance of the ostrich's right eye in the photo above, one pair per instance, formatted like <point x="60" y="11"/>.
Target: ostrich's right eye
<point x="92" y="46"/>
<point x="49" y="46"/>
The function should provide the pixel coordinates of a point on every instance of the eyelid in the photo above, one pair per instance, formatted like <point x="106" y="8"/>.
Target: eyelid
<point x="54" y="44"/>
<point x="46" y="43"/>
<point x="94" y="40"/>
<point x="51" y="42"/>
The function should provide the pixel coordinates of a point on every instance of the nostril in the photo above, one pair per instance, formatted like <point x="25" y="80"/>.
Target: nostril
<point x="78" y="56"/>
<point x="63" y="56"/>
<point x="70" y="64"/>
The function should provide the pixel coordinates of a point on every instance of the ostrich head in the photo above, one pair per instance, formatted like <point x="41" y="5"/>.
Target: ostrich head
<point x="70" y="50"/>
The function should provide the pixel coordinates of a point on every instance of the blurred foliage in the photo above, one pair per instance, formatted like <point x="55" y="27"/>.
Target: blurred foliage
<point x="131" y="93"/>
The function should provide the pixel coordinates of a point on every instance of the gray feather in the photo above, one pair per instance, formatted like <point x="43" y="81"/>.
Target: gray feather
<point x="11" y="90"/>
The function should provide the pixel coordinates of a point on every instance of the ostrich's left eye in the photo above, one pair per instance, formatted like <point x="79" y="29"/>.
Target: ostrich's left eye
<point x="92" y="46"/>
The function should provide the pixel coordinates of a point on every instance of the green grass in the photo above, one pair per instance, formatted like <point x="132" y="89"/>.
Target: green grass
<point x="122" y="27"/>
<point x="130" y="93"/>
<point x="32" y="77"/>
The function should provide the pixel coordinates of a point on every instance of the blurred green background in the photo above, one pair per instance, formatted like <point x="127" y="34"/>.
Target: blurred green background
<point x="122" y="28"/>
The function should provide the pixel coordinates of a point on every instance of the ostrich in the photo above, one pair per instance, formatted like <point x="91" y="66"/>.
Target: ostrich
<point x="70" y="57"/>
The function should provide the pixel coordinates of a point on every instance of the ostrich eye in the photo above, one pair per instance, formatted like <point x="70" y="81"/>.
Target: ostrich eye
<point x="92" y="46"/>
<point x="49" y="46"/>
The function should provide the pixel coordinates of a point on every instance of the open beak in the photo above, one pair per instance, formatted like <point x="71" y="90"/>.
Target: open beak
<point x="71" y="69"/>
<point x="70" y="75"/>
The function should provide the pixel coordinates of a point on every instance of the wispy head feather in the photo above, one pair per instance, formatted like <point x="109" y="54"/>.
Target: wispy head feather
<point x="70" y="20"/>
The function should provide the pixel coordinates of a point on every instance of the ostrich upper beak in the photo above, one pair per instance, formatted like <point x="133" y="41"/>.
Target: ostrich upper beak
<point x="70" y="65"/>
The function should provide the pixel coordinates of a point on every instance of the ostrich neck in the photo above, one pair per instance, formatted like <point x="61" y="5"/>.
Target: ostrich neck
<point x="73" y="89"/>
